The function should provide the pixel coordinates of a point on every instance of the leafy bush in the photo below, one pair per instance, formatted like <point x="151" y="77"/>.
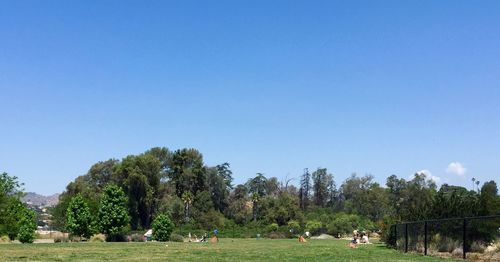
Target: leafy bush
<point x="272" y="227"/>
<point x="314" y="226"/>
<point x="176" y="238"/>
<point x="98" y="238"/>
<point x="162" y="228"/>
<point x="294" y="226"/>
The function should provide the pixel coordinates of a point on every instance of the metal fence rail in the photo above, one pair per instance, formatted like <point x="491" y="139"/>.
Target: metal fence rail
<point x="463" y="231"/>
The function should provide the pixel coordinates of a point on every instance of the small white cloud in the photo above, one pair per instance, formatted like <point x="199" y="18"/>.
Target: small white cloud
<point x="429" y="175"/>
<point x="456" y="168"/>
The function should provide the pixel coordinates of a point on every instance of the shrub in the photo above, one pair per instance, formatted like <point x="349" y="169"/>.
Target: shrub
<point x="477" y="246"/>
<point x="447" y="245"/>
<point x="176" y="238"/>
<point x="98" y="238"/>
<point x="162" y="228"/>
<point x="294" y="226"/>
<point x="313" y="226"/>
<point x="276" y="235"/>
<point x="116" y="238"/>
<point x="272" y="227"/>
<point x="137" y="238"/>
<point x="4" y="239"/>
<point x="457" y="252"/>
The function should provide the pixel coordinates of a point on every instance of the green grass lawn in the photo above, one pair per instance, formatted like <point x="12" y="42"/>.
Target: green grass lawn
<point x="225" y="250"/>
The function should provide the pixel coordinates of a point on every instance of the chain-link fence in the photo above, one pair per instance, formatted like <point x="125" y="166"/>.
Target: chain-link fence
<point x="455" y="236"/>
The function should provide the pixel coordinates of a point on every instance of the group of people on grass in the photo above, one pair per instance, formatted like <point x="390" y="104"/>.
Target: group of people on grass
<point x="359" y="238"/>
<point x="204" y="238"/>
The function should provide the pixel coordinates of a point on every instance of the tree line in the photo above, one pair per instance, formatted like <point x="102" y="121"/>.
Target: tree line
<point x="180" y="186"/>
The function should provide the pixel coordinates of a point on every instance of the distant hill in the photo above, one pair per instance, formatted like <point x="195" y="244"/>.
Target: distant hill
<point x="40" y="200"/>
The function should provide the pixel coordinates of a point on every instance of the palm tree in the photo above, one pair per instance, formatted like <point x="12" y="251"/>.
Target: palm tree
<point x="473" y="180"/>
<point x="477" y="184"/>
<point x="255" y="200"/>
<point x="187" y="197"/>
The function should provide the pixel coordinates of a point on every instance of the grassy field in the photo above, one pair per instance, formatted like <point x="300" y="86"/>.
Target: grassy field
<point x="225" y="250"/>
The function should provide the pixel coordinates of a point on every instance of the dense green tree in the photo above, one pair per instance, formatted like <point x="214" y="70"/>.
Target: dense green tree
<point x="12" y="209"/>
<point x="454" y="201"/>
<point x="82" y="185"/>
<point x="162" y="227"/>
<point x="78" y="218"/>
<point x="163" y="155"/>
<point x="489" y="200"/>
<point x="417" y="198"/>
<point x="187" y="171"/>
<point x="272" y="187"/>
<point x="113" y="213"/>
<point x="140" y="178"/>
<point x="100" y="174"/>
<point x="258" y="185"/>
<point x="27" y="226"/>
<point x="365" y="197"/>
<point x="239" y="205"/>
<point x="395" y="187"/>
<point x="281" y="209"/>
<point x="219" y="183"/>
<point x="320" y="179"/>
<point x="9" y="186"/>
<point x="12" y="212"/>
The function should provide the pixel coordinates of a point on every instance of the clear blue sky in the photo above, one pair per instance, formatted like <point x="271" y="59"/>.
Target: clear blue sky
<point x="379" y="87"/>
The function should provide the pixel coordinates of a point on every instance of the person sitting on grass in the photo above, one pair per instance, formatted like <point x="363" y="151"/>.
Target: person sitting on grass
<point x="354" y="242"/>
<point x="364" y="238"/>
<point x="302" y="239"/>
<point x="216" y="233"/>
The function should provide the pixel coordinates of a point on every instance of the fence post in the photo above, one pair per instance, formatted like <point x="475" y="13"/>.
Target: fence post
<point x="464" y="245"/>
<point x="406" y="238"/>
<point x="425" y="238"/>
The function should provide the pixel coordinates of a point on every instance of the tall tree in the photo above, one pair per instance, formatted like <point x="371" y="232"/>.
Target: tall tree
<point x="489" y="199"/>
<point x="305" y="189"/>
<point x="78" y="218"/>
<point x="333" y="194"/>
<point x="27" y="226"/>
<point x="187" y="171"/>
<point x="320" y="186"/>
<point x="139" y="176"/>
<point x="219" y="183"/>
<point x="12" y="210"/>
<point x="187" y="198"/>
<point x="113" y="213"/>
<point x="258" y="185"/>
